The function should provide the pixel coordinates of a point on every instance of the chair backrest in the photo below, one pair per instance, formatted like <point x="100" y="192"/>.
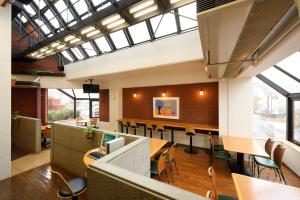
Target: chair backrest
<point x="60" y="181"/>
<point x="161" y="162"/>
<point x="212" y="143"/>
<point x="94" y="121"/>
<point x="124" y="123"/>
<point x="172" y="150"/>
<point x="211" y="174"/>
<point x="160" y="127"/>
<point x="149" y="126"/>
<point x="268" y="146"/>
<point x="278" y="154"/>
<point x="47" y="132"/>
<point x="133" y="124"/>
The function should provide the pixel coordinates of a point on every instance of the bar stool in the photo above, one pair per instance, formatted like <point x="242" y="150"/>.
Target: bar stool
<point x="133" y="126"/>
<point x="190" y="149"/>
<point x="125" y="124"/>
<point x="150" y="128"/>
<point x="161" y="129"/>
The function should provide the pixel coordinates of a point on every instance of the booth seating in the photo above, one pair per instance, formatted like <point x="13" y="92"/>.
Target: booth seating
<point x="133" y="125"/>
<point x="161" y="129"/>
<point x="126" y="125"/>
<point x="150" y="128"/>
<point x="190" y="149"/>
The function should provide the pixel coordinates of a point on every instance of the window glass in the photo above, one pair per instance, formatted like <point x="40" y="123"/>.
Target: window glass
<point x="94" y="95"/>
<point x="29" y="9"/>
<point x="67" y="56"/>
<point x="49" y="15"/>
<point x="79" y="94"/>
<point x="282" y="80"/>
<point x="83" y="109"/>
<point x="60" y="106"/>
<point x="80" y="6"/>
<point x="89" y="49"/>
<point x="23" y="19"/>
<point x="69" y="91"/>
<point x="42" y="26"/>
<point x="119" y="39"/>
<point x="64" y="12"/>
<point x="269" y="112"/>
<point x="103" y="44"/>
<point x="166" y="26"/>
<point x="95" y="108"/>
<point x="40" y="3"/>
<point x="77" y="53"/>
<point x="296" y="122"/>
<point x="188" y="16"/>
<point x="291" y="64"/>
<point x="139" y="32"/>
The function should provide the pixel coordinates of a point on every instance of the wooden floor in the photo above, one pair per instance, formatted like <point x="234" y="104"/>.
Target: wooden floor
<point x="36" y="184"/>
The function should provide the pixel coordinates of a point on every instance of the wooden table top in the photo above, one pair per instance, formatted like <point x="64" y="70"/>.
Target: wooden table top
<point x="156" y="145"/>
<point x="243" y="145"/>
<point x="249" y="188"/>
<point x="172" y="124"/>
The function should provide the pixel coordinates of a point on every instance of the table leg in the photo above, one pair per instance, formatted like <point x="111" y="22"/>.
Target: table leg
<point x="172" y="136"/>
<point x="145" y="130"/>
<point x="241" y="166"/>
<point x="122" y="128"/>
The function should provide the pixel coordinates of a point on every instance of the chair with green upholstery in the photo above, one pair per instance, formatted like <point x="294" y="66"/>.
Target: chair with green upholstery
<point x="222" y="155"/>
<point x="215" y="195"/>
<point x="258" y="159"/>
<point x="158" y="166"/>
<point x="272" y="164"/>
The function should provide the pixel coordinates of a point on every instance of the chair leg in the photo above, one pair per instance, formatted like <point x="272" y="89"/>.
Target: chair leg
<point x="134" y="129"/>
<point x="171" y="172"/>
<point x="150" y="133"/>
<point x="191" y="144"/>
<point x="257" y="170"/>
<point x="166" y="175"/>
<point x="282" y="176"/>
<point x="275" y="173"/>
<point x="176" y="167"/>
<point x="261" y="171"/>
<point x="278" y="175"/>
<point x="161" y="135"/>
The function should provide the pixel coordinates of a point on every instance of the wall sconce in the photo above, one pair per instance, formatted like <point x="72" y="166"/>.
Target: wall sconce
<point x="163" y="94"/>
<point x="201" y="92"/>
<point x="134" y="95"/>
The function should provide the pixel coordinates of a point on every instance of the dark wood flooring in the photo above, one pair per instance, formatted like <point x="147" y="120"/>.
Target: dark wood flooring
<point x="36" y="184"/>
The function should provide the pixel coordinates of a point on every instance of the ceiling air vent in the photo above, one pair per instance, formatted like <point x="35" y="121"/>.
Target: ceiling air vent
<point x="203" y="5"/>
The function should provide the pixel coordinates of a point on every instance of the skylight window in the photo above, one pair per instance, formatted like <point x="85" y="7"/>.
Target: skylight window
<point x="49" y="15"/>
<point x="188" y="16"/>
<point x="79" y="93"/>
<point x="119" y="39"/>
<point x="69" y="92"/>
<point x="94" y="95"/>
<point x="291" y="64"/>
<point x="64" y="12"/>
<point x="67" y="56"/>
<point x="103" y="44"/>
<point x="40" y="3"/>
<point x="23" y="19"/>
<point x="77" y="53"/>
<point x="89" y="49"/>
<point x="282" y="80"/>
<point x="139" y="32"/>
<point x="80" y="6"/>
<point x="102" y="3"/>
<point x="29" y="9"/>
<point x="42" y="26"/>
<point x="167" y="25"/>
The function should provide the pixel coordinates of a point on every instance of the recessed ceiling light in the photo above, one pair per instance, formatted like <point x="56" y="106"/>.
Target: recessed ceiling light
<point x="92" y="33"/>
<point x="70" y="37"/>
<point x="116" y="23"/>
<point x="43" y="49"/>
<point x="75" y="40"/>
<point x="88" y="29"/>
<point x="49" y="51"/>
<point x="141" y="6"/>
<point x="111" y="19"/>
<point x="55" y="44"/>
<point x="174" y="1"/>
<point x="145" y="11"/>
<point x="60" y="46"/>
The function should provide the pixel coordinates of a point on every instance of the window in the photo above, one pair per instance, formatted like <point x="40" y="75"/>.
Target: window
<point x="89" y="49"/>
<point x="291" y="64"/>
<point x="80" y="6"/>
<point x="164" y="24"/>
<point x="187" y="16"/>
<point x="60" y="106"/>
<point x="64" y="12"/>
<point x="83" y="109"/>
<point x="296" y="122"/>
<point x="49" y="15"/>
<point x="139" y="32"/>
<point x="67" y="56"/>
<point x="103" y="44"/>
<point x="40" y="3"/>
<point x="77" y="53"/>
<point x="42" y="26"/>
<point x="119" y="39"/>
<point x="80" y="95"/>
<point x="95" y="108"/>
<point x="29" y="9"/>
<point x="269" y="112"/>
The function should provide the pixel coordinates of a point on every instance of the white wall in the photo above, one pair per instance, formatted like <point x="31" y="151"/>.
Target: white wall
<point x="5" y="84"/>
<point x="176" y="49"/>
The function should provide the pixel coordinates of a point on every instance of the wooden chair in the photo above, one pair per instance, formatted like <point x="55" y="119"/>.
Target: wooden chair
<point x="47" y="135"/>
<point x="161" y="129"/>
<point x="158" y="166"/>
<point x="150" y="128"/>
<point x="215" y="195"/>
<point x="217" y="147"/>
<point x="273" y="164"/>
<point x="170" y="158"/>
<point x="222" y="155"/>
<point x="94" y="122"/>
<point x="126" y="125"/>
<point x="191" y="133"/>
<point x="68" y="189"/>
<point x="256" y="160"/>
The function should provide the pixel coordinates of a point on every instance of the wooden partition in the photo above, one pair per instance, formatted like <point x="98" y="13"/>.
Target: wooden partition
<point x="194" y="108"/>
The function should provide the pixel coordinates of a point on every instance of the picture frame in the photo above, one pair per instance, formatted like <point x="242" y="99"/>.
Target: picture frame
<point x="166" y="107"/>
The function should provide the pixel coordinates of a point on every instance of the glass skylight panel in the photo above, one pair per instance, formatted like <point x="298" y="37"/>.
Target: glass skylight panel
<point x="69" y="91"/>
<point x="139" y="32"/>
<point x="103" y="44"/>
<point x="42" y="26"/>
<point x="40" y="3"/>
<point x="291" y="64"/>
<point x="79" y="94"/>
<point x="67" y="56"/>
<point x="64" y="12"/>
<point x="166" y="26"/>
<point x="282" y="80"/>
<point x="188" y="16"/>
<point x="94" y="95"/>
<point x="89" y="49"/>
<point x="77" y="53"/>
<point x="29" y="9"/>
<point x="119" y="39"/>
<point x="49" y="15"/>
<point x="80" y="6"/>
<point x="101" y="4"/>
<point x="23" y="19"/>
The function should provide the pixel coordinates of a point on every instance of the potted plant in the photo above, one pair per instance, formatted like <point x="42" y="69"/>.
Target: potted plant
<point x="33" y="71"/>
<point x="89" y="132"/>
<point x="13" y="80"/>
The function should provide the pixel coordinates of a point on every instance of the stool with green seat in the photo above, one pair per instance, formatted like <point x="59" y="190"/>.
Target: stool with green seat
<point x="214" y="195"/>
<point x="273" y="164"/>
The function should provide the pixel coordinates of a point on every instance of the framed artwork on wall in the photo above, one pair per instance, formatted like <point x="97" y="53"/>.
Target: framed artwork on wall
<point x="166" y="107"/>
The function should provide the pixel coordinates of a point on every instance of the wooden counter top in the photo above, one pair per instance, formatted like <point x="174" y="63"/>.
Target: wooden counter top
<point x="172" y="124"/>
